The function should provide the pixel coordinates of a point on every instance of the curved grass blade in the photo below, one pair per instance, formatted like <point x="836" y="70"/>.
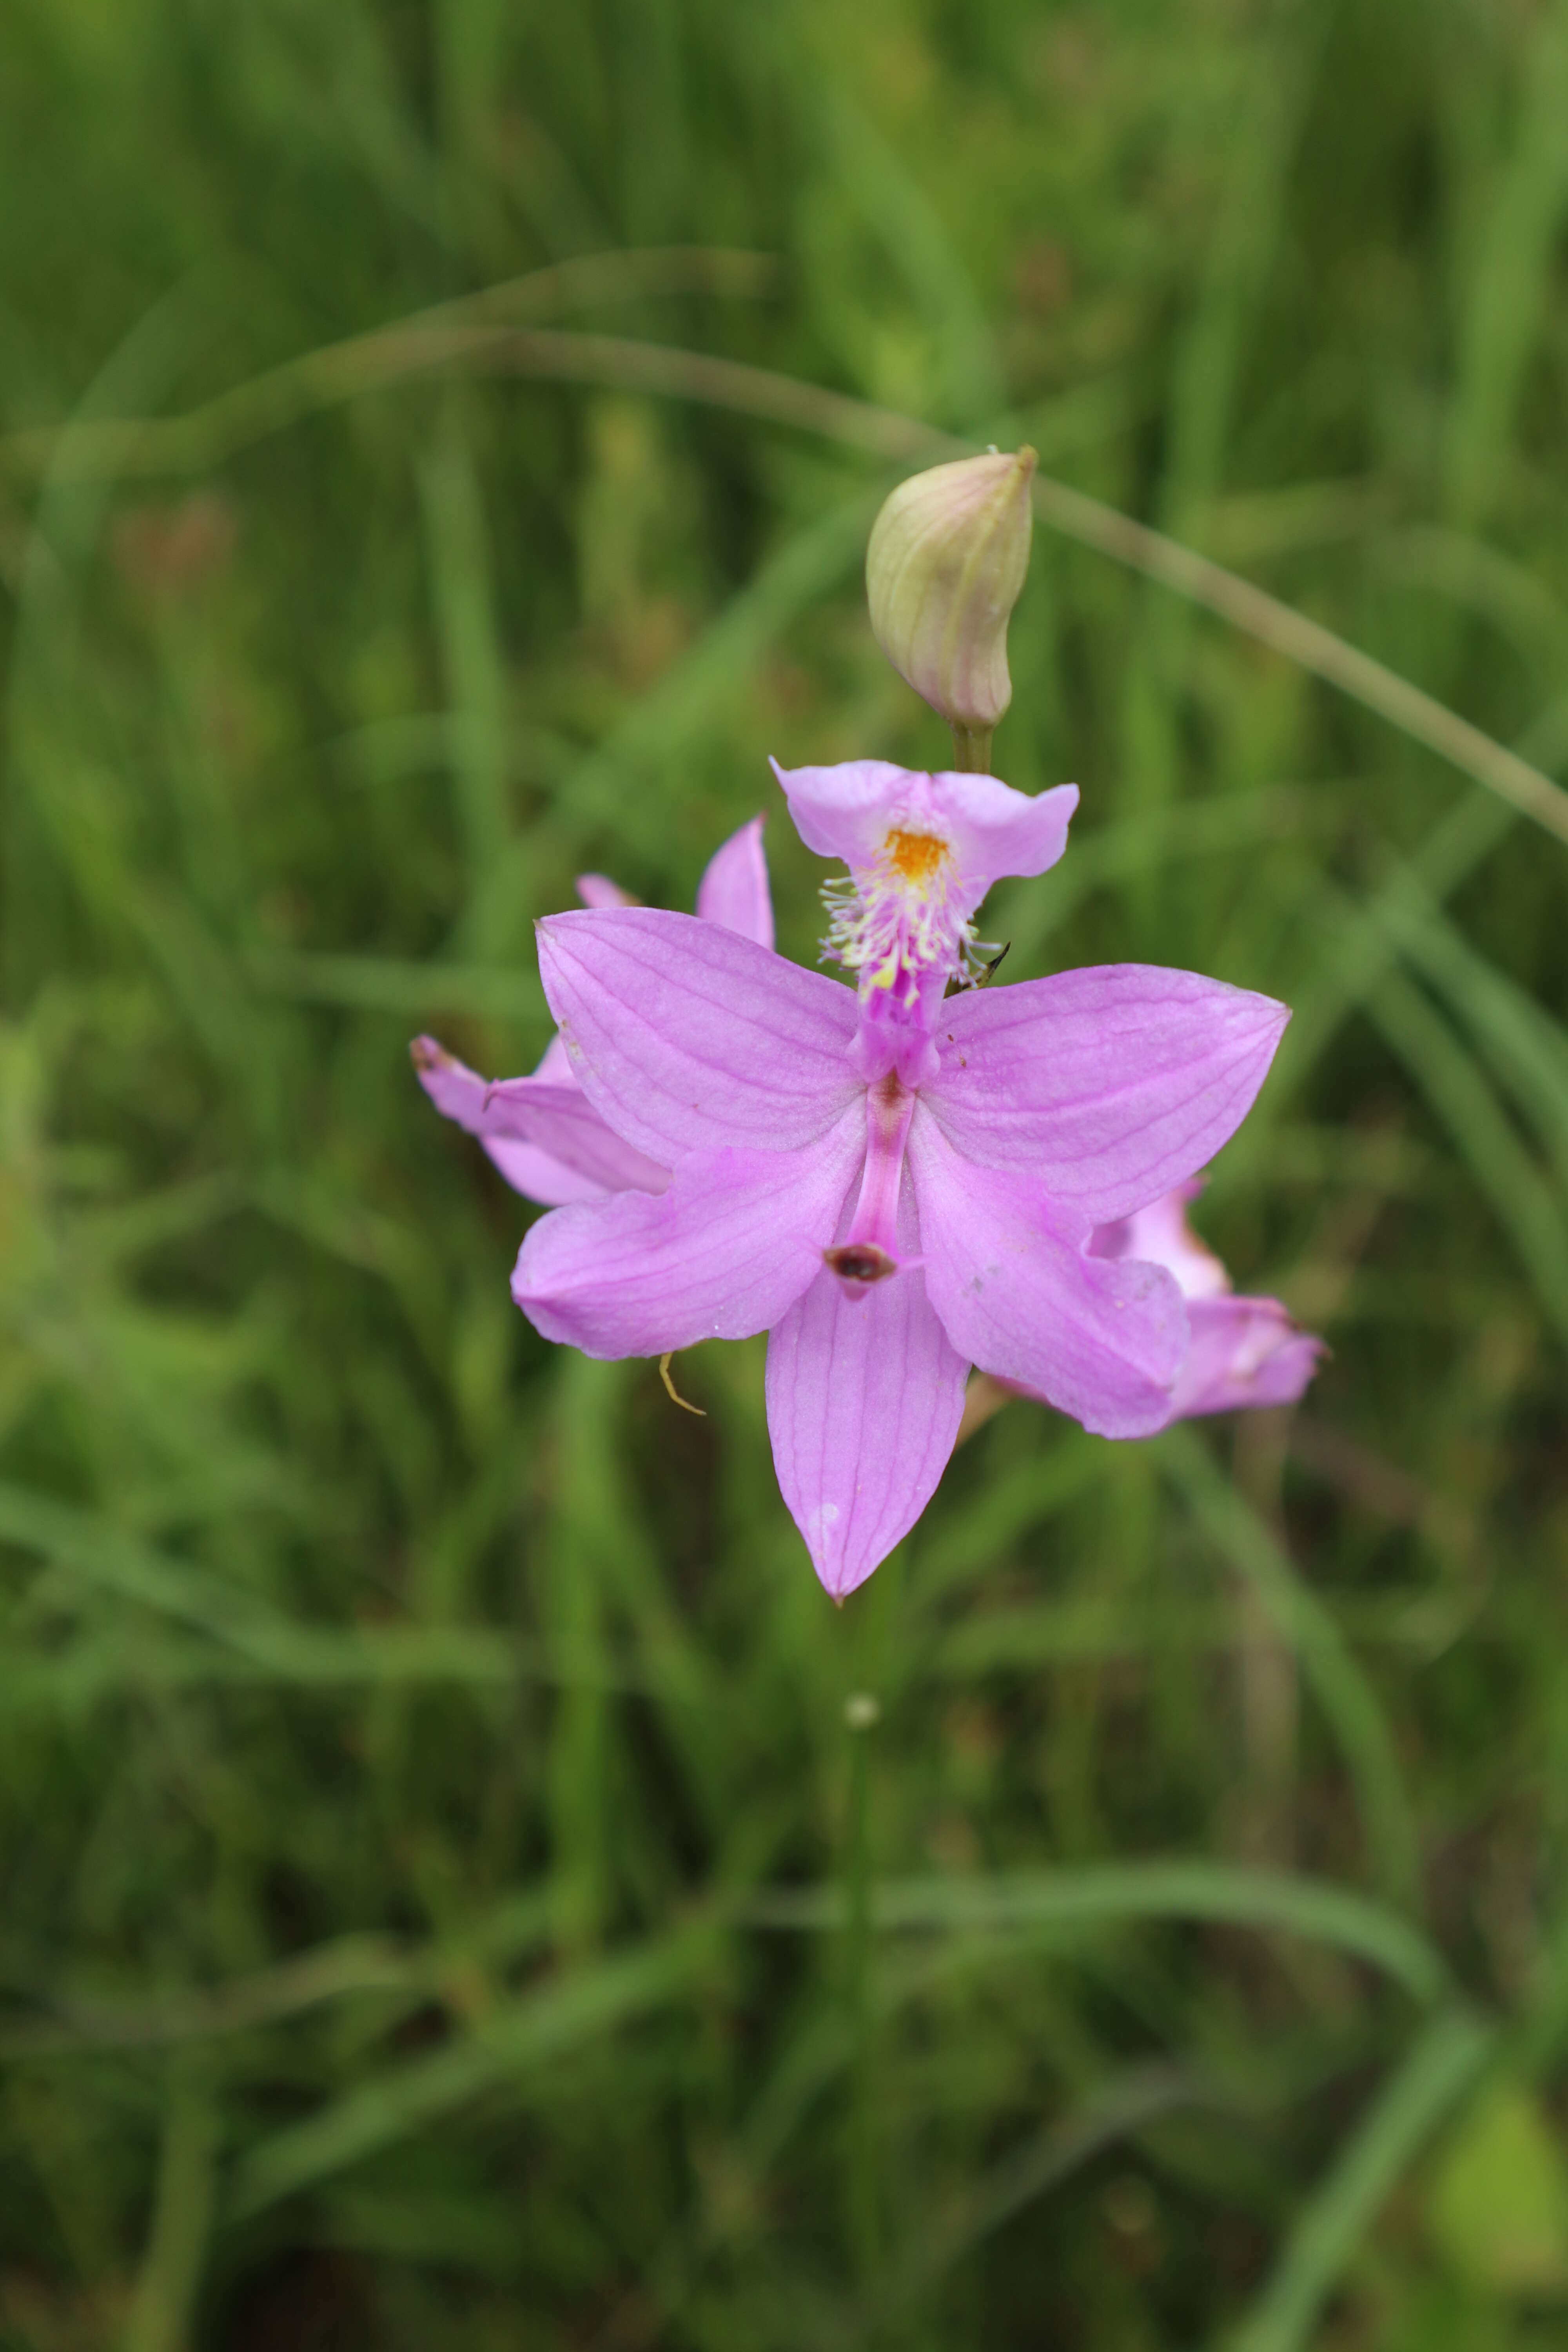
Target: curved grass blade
<point x="444" y="336"/>
<point x="626" y="365"/>
<point x="275" y="1648"/>
<point x="1342" y="1690"/>
<point x="1524" y="1046"/>
<point x="1102" y="1894"/>
<point x="1460" y="1094"/>
<point x="559" y="2016"/>
<point x="1438" y="2070"/>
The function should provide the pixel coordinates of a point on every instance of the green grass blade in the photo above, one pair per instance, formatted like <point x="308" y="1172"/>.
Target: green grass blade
<point x="1336" y="1681"/>
<point x="163" y="2303"/>
<point x="1438" y="2071"/>
<point x="1459" y="1091"/>
<point x="588" y="2003"/>
<point x="1141" y="2096"/>
<point x="1100" y="1894"/>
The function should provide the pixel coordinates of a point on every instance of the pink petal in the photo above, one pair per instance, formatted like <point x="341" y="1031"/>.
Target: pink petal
<point x="864" y="1401"/>
<point x="848" y="811"/>
<point x="734" y="890"/>
<point x="1245" y="1352"/>
<point x="530" y="1168"/>
<point x="1161" y="1234"/>
<point x="1109" y="1084"/>
<point x="845" y="811"/>
<point x="996" y="831"/>
<point x="555" y="1063"/>
<point x="561" y="1121"/>
<point x="723" y="1253"/>
<point x="598" y="891"/>
<point x="1101" y="1340"/>
<point x="538" y="1176"/>
<point x="687" y="1038"/>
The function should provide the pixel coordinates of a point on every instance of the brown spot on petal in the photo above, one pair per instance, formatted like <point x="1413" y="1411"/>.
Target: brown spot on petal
<point x="861" y="1262"/>
<point x="425" y="1055"/>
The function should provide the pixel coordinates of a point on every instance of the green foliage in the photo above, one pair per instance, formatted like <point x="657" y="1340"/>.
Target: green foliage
<point x="445" y="1900"/>
<point x="1500" y="2199"/>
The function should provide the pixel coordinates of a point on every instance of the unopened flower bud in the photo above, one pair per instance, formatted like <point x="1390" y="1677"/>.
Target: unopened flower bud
<point x="946" y="561"/>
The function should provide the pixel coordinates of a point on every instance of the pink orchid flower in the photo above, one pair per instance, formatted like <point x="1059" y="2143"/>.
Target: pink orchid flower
<point x="542" y="1134"/>
<point x="895" y="1183"/>
<point x="1244" y="1351"/>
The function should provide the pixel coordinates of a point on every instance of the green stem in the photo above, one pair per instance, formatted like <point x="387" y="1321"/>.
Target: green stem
<point x="861" y="2203"/>
<point x="971" y="749"/>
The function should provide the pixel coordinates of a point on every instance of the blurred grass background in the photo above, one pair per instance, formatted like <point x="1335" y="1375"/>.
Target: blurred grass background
<point x="434" y="1851"/>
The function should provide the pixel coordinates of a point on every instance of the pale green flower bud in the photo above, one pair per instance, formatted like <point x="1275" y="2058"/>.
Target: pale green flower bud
<point x="947" y="559"/>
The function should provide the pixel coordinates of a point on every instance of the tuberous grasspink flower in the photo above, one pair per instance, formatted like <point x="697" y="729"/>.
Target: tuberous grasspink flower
<point x="895" y="1182"/>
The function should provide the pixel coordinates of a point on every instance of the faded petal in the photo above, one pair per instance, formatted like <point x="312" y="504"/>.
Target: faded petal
<point x="1101" y="1340"/>
<point x="1160" y="1233"/>
<point x="849" y="810"/>
<point x="723" y="1253"/>
<point x="1108" y="1085"/>
<point x="734" y="891"/>
<point x="596" y="1163"/>
<point x="1245" y="1352"/>
<point x="687" y="1038"/>
<point x="864" y="1401"/>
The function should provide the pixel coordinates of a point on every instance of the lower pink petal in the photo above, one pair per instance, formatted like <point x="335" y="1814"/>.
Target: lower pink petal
<point x="1101" y="1339"/>
<point x="864" y="1401"/>
<point x="724" y="1253"/>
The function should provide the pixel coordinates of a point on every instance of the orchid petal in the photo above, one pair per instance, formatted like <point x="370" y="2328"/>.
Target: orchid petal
<point x="598" y="891"/>
<point x="734" y="890"/>
<point x="1109" y="1084"/>
<point x="864" y="1401"/>
<point x="1245" y="1352"/>
<point x="561" y="1120"/>
<point x="555" y="1063"/>
<point x="600" y="1163"/>
<point x="848" y="811"/>
<point x="540" y="1176"/>
<point x="687" y="1038"/>
<point x="843" y="811"/>
<point x="723" y="1253"/>
<point x="458" y="1092"/>
<point x="1161" y="1235"/>
<point x="1101" y="1339"/>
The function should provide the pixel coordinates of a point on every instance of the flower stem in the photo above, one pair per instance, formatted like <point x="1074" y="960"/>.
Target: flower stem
<point x="971" y="749"/>
<point x="861" y="2202"/>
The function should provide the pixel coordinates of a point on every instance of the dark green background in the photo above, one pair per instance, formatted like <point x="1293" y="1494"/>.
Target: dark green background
<point x="402" y="1724"/>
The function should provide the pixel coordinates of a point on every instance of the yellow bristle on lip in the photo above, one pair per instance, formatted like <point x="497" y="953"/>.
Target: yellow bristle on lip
<point x="916" y="857"/>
